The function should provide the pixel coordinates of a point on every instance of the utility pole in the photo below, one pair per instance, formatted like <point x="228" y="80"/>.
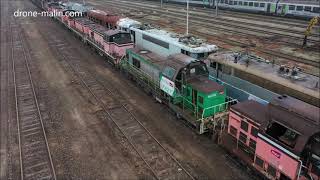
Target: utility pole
<point x="187" y="17"/>
<point x="217" y="7"/>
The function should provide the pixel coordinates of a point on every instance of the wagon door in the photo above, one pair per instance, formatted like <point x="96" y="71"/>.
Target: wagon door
<point x="268" y="8"/>
<point x="194" y="96"/>
<point x="284" y="9"/>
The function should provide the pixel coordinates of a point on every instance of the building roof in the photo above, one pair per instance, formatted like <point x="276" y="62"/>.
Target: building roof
<point x="253" y="110"/>
<point x="203" y="84"/>
<point x="188" y="43"/>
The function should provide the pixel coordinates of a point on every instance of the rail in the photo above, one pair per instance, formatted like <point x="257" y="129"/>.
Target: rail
<point x="34" y="153"/>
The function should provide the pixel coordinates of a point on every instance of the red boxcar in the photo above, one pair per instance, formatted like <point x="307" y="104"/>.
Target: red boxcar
<point x="104" y="18"/>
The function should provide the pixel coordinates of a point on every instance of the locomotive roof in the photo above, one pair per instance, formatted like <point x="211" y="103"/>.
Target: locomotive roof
<point x="305" y="121"/>
<point x="305" y="83"/>
<point x="299" y="107"/>
<point x="151" y="56"/>
<point x="193" y="44"/>
<point x="127" y="23"/>
<point x="253" y="110"/>
<point x="179" y="61"/>
<point x="301" y="2"/>
<point x="98" y="28"/>
<point x="175" y="61"/>
<point x="84" y="21"/>
<point x="203" y="84"/>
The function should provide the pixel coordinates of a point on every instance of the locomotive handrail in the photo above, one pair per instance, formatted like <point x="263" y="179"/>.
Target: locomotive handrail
<point x="219" y="105"/>
<point x="150" y="82"/>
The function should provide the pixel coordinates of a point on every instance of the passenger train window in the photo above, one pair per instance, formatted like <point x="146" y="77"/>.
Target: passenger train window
<point x="231" y="2"/>
<point x="292" y="7"/>
<point x="226" y="2"/>
<point x="222" y="1"/>
<point x="245" y="4"/>
<point x="262" y="4"/>
<point x="256" y="4"/>
<point x="307" y="8"/>
<point x="316" y="9"/>
<point x="240" y="3"/>
<point x="250" y="3"/>
<point x="299" y="8"/>
<point x="235" y="3"/>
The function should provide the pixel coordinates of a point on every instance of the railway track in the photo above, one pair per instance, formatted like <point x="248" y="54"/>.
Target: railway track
<point x="229" y="25"/>
<point x="35" y="157"/>
<point x="157" y="158"/>
<point x="260" y="50"/>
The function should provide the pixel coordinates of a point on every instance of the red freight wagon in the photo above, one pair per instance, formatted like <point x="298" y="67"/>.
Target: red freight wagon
<point x="104" y="18"/>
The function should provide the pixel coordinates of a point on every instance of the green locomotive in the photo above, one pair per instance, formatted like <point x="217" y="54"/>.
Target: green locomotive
<point x="182" y="83"/>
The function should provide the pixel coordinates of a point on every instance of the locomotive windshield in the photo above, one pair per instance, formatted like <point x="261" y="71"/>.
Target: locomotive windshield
<point x="282" y="134"/>
<point x="122" y="38"/>
<point x="197" y="69"/>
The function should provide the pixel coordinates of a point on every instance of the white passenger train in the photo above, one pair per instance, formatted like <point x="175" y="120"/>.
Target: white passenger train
<point x="298" y="8"/>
